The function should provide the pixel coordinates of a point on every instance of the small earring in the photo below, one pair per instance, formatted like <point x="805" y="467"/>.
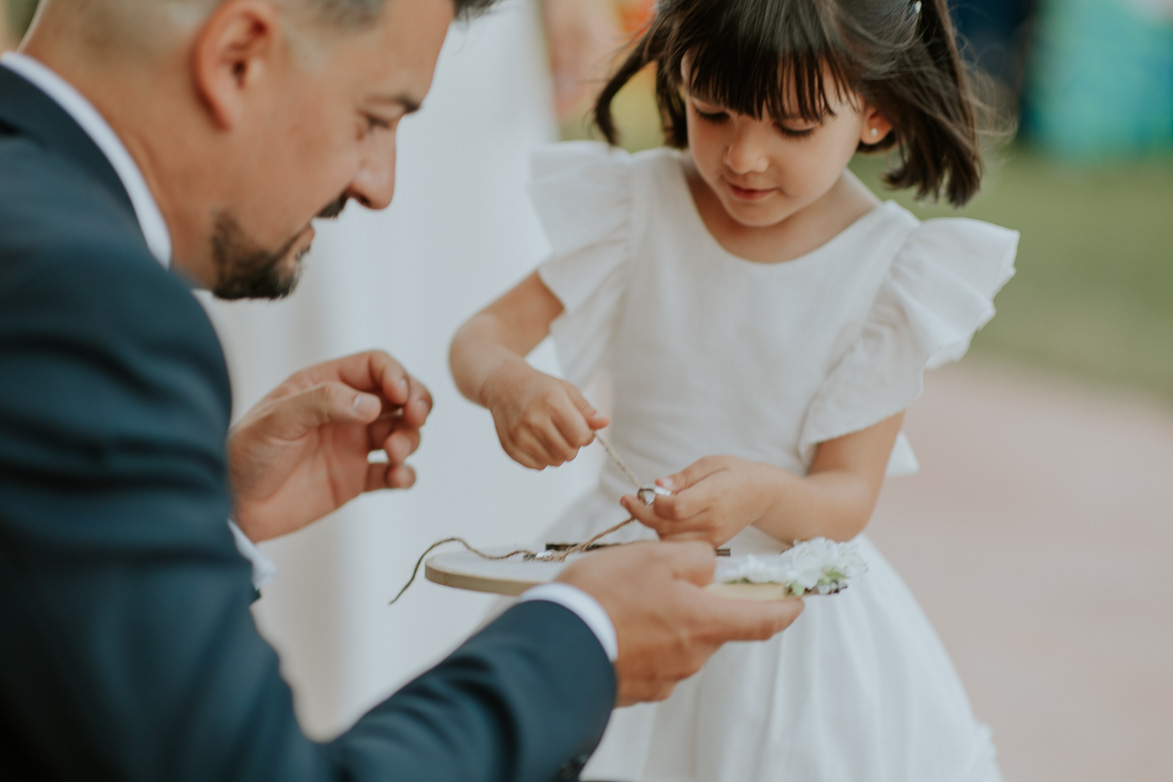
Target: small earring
<point x="875" y="132"/>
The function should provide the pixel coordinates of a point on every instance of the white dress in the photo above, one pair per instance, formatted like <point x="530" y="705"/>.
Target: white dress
<point x="708" y="353"/>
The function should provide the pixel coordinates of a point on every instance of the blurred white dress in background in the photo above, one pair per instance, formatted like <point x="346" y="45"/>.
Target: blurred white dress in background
<point x="459" y="232"/>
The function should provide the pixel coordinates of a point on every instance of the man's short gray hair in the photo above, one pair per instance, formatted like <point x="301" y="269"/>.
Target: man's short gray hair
<point x="359" y="13"/>
<point x="343" y="13"/>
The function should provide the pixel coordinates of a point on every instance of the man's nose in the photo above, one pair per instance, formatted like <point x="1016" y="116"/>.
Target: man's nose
<point x="374" y="183"/>
<point x="745" y="153"/>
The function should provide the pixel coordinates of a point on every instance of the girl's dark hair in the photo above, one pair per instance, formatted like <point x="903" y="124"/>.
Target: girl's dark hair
<point x="784" y="57"/>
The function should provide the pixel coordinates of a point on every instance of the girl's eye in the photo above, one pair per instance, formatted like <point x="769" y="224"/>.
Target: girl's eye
<point x="795" y="132"/>
<point x="712" y="116"/>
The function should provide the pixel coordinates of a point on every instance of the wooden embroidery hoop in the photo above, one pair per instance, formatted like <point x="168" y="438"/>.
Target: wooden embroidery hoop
<point x="465" y="570"/>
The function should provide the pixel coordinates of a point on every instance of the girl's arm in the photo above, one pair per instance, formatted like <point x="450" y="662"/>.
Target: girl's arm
<point x="542" y="421"/>
<point x="718" y="496"/>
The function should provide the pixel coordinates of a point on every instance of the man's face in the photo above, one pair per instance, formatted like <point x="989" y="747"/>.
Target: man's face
<point x="323" y="134"/>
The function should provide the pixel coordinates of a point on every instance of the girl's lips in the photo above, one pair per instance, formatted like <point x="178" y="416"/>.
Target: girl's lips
<point x="748" y="194"/>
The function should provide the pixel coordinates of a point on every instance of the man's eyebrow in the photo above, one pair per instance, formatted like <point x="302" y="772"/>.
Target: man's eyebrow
<point x="410" y="105"/>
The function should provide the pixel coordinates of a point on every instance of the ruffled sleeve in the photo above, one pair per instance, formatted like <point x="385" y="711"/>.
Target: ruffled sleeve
<point x="582" y="194"/>
<point x="938" y="292"/>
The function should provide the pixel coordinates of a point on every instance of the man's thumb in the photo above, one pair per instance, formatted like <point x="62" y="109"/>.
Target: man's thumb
<point x="366" y="407"/>
<point x="690" y="560"/>
<point x="328" y="403"/>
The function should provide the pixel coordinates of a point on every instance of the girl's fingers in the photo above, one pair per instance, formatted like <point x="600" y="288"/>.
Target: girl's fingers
<point x="685" y="504"/>
<point x="644" y="514"/>
<point x="592" y="417"/>
<point x="676" y="537"/>
<point x="551" y="445"/>
<point x="692" y="474"/>
<point x="651" y="516"/>
<point x="529" y="452"/>
<point x="698" y="527"/>
<point x="565" y="432"/>
<point x="575" y="430"/>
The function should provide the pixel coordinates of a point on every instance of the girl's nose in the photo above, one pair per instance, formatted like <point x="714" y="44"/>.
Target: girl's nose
<point x="744" y="155"/>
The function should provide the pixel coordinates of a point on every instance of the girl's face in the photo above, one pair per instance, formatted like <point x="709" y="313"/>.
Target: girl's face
<point x="764" y="171"/>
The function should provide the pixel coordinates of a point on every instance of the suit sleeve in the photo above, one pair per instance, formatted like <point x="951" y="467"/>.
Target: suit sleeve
<point x="128" y="651"/>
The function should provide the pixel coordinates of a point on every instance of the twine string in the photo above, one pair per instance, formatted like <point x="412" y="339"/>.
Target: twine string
<point x="547" y="556"/>
<point x="622" y="465"/>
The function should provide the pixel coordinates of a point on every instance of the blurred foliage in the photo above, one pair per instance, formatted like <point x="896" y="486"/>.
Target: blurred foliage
<point x="1093" y="295"/>
<point x="1094" y="291"/>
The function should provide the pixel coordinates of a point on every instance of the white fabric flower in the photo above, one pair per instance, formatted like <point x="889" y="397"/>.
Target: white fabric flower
<point x="817" y="565"/>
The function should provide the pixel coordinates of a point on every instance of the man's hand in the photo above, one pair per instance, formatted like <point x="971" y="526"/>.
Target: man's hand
<point x="667" y="624"/>
<point x="303" y="450"/>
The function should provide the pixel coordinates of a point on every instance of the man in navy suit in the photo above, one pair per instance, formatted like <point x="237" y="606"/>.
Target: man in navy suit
<point x="146" y="145"/>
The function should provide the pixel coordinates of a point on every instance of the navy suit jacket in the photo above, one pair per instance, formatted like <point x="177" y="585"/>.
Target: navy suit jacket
<point x="127" y="650"/>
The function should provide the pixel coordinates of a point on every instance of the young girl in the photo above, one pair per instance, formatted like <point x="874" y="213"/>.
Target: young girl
<point x="763" y="321"/>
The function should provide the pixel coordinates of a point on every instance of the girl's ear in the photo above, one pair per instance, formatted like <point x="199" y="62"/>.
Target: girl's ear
<point x="875" y="127"/>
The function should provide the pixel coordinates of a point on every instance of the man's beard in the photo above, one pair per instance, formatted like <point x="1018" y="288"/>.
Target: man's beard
<point x="245" y="270"/>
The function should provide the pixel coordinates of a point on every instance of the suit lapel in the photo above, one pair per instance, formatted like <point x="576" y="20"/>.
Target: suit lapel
<point x="27" y="111"/>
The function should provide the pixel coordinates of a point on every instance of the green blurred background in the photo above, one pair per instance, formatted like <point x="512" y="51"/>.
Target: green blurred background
<point x="1089" y="186"/>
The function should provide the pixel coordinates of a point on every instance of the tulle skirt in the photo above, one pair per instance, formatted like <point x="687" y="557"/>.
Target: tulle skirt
<point x="859" y="689"/>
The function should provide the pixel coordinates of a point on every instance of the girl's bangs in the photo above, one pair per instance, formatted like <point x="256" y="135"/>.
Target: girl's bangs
<point x="786" y="65"/>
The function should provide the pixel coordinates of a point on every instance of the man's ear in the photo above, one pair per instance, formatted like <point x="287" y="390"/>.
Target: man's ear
<point x="233" y="53"/>
<point x="876" y="126"/>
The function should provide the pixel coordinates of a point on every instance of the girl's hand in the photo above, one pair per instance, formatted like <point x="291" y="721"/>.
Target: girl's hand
<point x="712" y="500"/>
<point x="542" y="421"/>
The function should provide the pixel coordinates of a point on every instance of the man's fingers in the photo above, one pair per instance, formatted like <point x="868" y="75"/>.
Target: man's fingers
<point x="384" y="476"/>
<point x="695" y="562"/>
<point x="400" y="444"/>
<point x="295" y="415"/>
<point x="691" y="561"/>
<point x="748" y="620"/>
<point x="380" y="372"/>
<point x="380" y="430"/>
<point x="374" y="372"/>
<point x="645" y="692"/>
<point x="419" y="403"/>
<point x="401" y="476"/>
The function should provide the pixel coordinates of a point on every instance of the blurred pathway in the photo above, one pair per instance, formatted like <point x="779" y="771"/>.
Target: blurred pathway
<point x="1039" y="538"/>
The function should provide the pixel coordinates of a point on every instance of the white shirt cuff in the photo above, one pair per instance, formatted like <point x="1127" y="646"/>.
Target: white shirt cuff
<point x="264" y="570"/>
<point x="585" y="606"/>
